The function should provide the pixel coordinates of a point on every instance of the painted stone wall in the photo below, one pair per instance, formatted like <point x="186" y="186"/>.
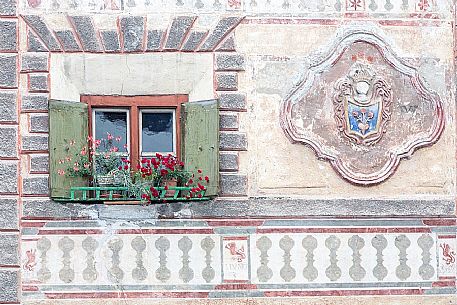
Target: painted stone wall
<point x="312" y="211"/>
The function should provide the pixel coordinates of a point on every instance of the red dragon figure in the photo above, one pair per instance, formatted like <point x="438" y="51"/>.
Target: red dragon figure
<point x="449" y="255"/>
<point x="30" y="264"/>
<point x="235" y="251"/>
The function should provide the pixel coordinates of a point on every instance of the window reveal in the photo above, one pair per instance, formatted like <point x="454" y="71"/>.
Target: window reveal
<point x="74" y="121"/>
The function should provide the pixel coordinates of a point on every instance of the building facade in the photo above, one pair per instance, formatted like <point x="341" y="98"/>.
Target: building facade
<point x="335" y="151"/>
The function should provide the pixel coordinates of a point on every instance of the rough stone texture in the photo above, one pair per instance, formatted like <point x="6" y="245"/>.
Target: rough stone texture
<point x="228" y="121"/>
<point x="229" y="62"/>
<point x="8" y="77"/>
<point x="110" y="41"/>
<point x="34" y="62"/>
<point x="68" y="40"/>
<point x="39" y="123"/>
<point x="308" y="300"/>
<point x="9" y="212"/>
<point x="226" y="81"/>
<point x="49" y="208"/>
<point x="8" y="148"/>
<point x="8" y="104"/>
<point x="221" y="29"/>
<point x="233" y="185"/>
<point x="232" y="101"/>
<point x="9" y="281"/>
<point x="8" y="7"/>
<point x="34" y="102"/>
<point x="37" y="23"/>
<point x="178" y="30"/>
<point x="35" y="143"/>
<point x="194" y="40"/>
<point x="154" y="40"/>
<point x="9" y="244"/>
<point x="34" y="44"/>
<point x="8" y="35"/>
<point x="38" y="82"/>
<point x="8" y="177"/>
<point x="289" y="207"/>
<point x="228" y="45"/>
<point x="233" y="141"/>
<point x="132" y="28"/>
<point x="86" y="32"/>
<point x="39" y="163"/>
<point x="244" y="208"/>
<point x="35" y="185"/>
<point x="228" y="162"/>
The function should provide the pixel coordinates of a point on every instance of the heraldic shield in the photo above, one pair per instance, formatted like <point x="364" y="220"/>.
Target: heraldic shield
<point x="362" y="105"/>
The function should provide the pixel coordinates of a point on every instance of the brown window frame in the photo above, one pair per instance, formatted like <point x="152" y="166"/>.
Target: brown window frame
<point x="135" y="104"/>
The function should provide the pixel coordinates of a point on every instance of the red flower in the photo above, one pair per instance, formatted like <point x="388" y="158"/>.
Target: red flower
<point x="126" y="167"/>
<point x="158" y="156"/>
<point x="166" y="187"/>
<point x="143" y="160"/>
<point x="154" y="192"/>
<point x="206" y="178"/>
<point x="163" y="172"/>
<point x="200" y="196"/>
<point x="199" y="171"/>
<point x="120" y="167"/>
<point x="190" y="181"/>
<point x="200" y="178"/>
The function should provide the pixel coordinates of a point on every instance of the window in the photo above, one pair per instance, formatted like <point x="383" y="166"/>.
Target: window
<point x="146" y="125"/>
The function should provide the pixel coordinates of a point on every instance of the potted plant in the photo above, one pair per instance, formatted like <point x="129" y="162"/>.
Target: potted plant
<point x="165" y="172"/>
<point x="97" y="160"/>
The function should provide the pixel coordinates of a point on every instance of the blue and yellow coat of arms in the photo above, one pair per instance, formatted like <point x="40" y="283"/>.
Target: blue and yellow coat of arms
<point x="362" y="105"/>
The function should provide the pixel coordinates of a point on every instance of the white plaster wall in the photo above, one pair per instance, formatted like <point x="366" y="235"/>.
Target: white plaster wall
<point x="276" y="167"/>
<point x="131" y="74"/>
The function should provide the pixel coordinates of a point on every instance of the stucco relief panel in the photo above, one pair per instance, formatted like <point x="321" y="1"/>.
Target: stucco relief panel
<point x="363" y="109"/>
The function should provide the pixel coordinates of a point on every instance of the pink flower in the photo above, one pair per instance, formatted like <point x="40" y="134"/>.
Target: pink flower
<point x="83" y="151"/>
<point x="76" y="169"/>
<point x="118" y="139"/>
<point x="61" y="172"/>
<point x="86" y="165"/>
<point x="109" y="136"/>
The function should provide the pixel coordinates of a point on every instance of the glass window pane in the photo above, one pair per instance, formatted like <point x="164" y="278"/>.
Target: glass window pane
<point x="113" y="123"/>
<point x="157" y="132"/>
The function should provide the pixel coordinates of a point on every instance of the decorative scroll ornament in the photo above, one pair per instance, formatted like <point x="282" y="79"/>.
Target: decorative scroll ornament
<point x="360" y="107"/>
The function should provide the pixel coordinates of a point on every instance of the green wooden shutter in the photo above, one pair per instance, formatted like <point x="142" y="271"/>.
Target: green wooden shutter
<point x="67" y="122"/>
<point x="200" y="149"/>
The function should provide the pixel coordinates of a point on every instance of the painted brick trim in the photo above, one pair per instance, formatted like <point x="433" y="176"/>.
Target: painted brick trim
<point x="233" y="185"/>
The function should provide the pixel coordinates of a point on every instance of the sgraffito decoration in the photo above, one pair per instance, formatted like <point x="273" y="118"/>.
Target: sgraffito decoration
<point x="362" y="108"/>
